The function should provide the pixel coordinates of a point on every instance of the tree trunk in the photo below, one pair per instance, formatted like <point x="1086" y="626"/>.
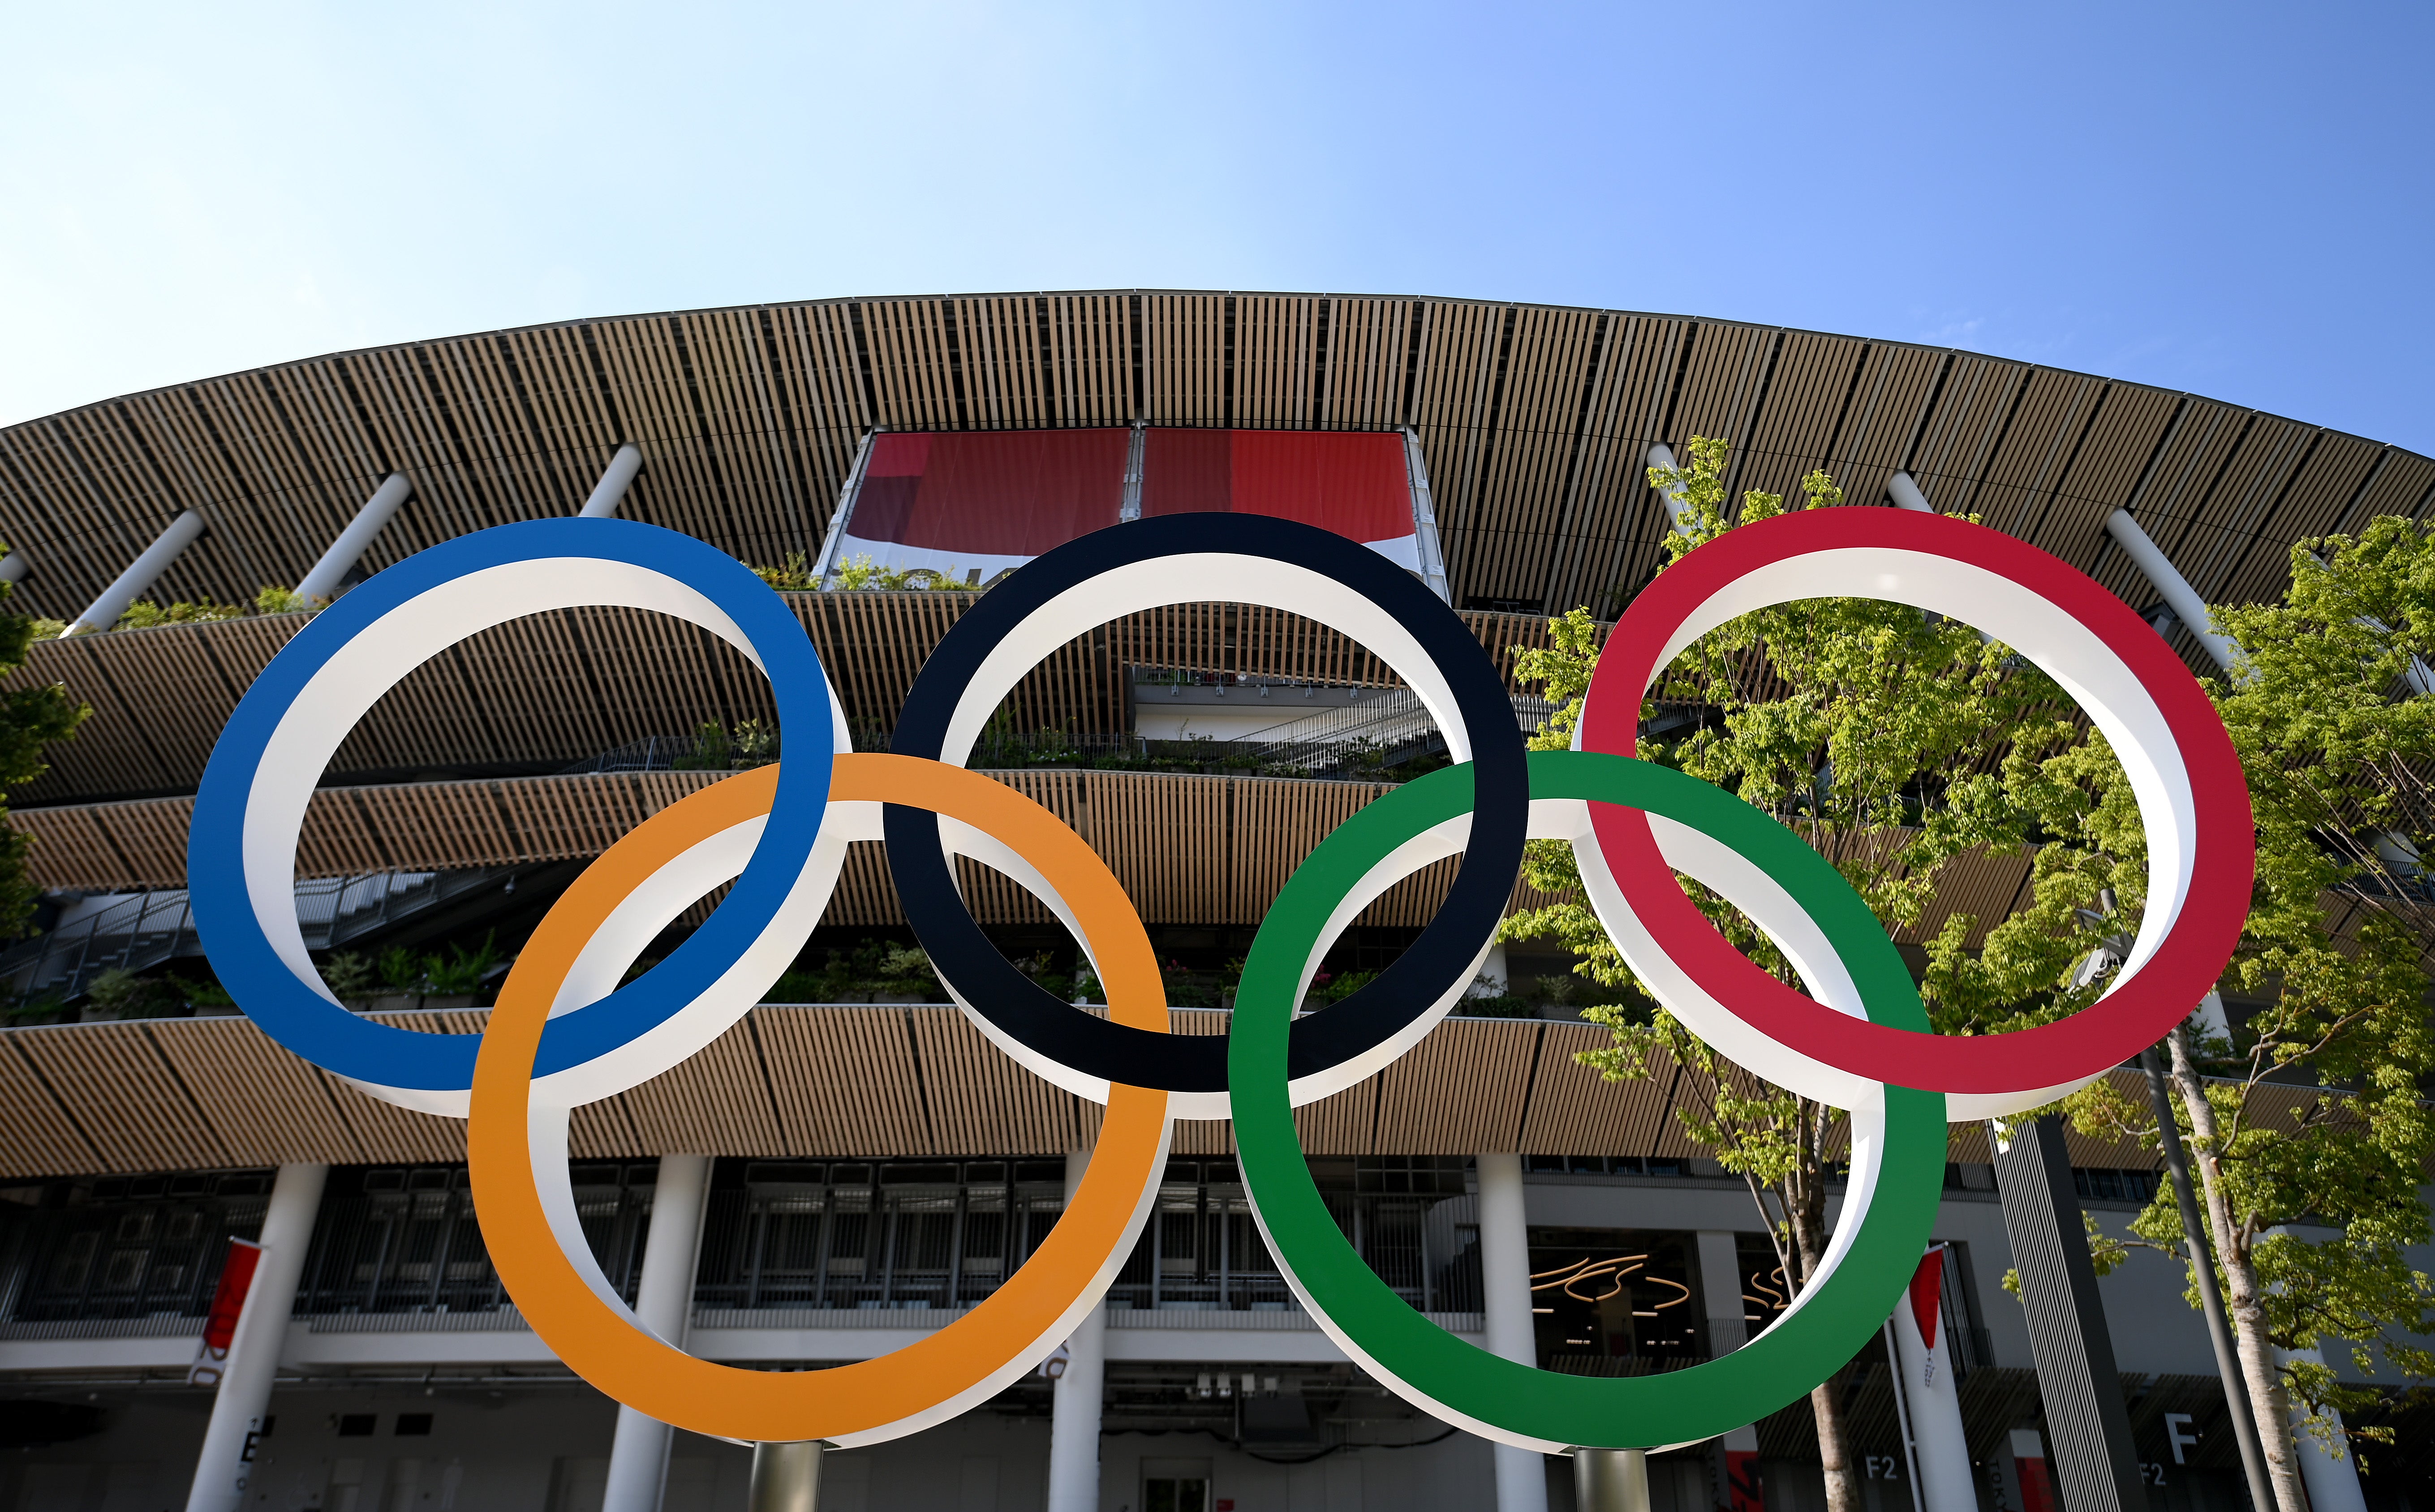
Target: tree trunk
<point x="2242" y="1297"/>
<point x="1808" y="1213"/>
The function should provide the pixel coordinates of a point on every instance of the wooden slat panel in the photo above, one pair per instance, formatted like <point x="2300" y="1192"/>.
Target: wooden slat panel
<point x="979" y="1099"/>
<point x="712" y="1104"/>
<point x="43" y="1139"/>
<point x="1460" y="1092"/>
<point x="263" y="1106"/>
<point x="842" y="1081"/>
<point x="1575" y="1112"/>
<point x="845" y="1081"/>
<point x="140" y="1117"/>
<point x="1342" y="1125"/>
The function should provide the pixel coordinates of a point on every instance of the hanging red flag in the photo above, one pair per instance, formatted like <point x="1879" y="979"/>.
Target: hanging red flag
<point x="228" y="1304"/>
<point x="1927" y="1296"/>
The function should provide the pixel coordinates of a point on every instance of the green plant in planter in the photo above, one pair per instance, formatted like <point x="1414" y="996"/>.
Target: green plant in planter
<point x="203" y="994"/>
<point x="793" y="576"/>
<point x="34" y="1007"/>
<point x="402" y="972"/>
<point x="285" y="601"/>
<point x="461" y="973"/>
<point x="122" y="994"/>
<point x="711" y="750"/>
<point x="905" y="972"/>
<point x="755" y="744"/>
<point x="1342" y="985"/>
<point x="352" y="978"/>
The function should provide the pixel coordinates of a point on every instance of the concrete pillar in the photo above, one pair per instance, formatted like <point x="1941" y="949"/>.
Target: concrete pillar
<point x="323" y="581"/>
<point x="103" y="613"/>
<point x="1074" y="1422"/>
<point x="2095" y="1468"/>
<point x="785" y="1478"/>
<point x="611" y="486"/>
<point x="1505" y="1277"/>
<point x="17" y="567"/>
<point x="2178" y="593"/>
<point x="1937" y="1442"/>
<point x="225" y="1463"/>
<point x="638" y="1455"/>
<point x="2333" y="1484"/>
<point x="1721" y="1289"/>
<point x="1903" y="491"/>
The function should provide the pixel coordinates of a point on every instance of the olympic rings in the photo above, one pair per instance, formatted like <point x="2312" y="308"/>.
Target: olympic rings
<point x="1185" y="559"/>
<point x="1857" y="1038"/>
<point x="1898" y="1136"/>
<point x="513" y="1138"/>
<point x="2179" y="762"/>
<point x="249" y="809"/>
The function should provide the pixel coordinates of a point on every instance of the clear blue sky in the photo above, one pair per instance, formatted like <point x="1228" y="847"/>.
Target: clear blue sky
<point x="2230" y="199"/>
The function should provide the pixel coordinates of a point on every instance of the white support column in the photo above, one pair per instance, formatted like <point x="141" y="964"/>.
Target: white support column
<point x="611" y="486"/>
<point x="1425" y="516"/>
<point x="638" y="1455"/>
<point x="17" y="567"/>
<point x="225" y="1463"/>
<point x="1662" y="456"/>
<point x="1928" y="1389"/>
<point x="2333" y="1484"/>
<point x="322" y="582"/>
<point x="1505" y="1278"/>
<point x="1903" y="491"/>
<point x="2183" y="599"/>
<point x="103" y="613"/>
<point x="1074" y="1423"/>
<point x="1721" y="1289"/>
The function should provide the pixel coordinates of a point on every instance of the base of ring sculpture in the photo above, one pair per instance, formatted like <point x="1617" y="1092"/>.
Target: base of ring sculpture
<point x="785" y="1477"/>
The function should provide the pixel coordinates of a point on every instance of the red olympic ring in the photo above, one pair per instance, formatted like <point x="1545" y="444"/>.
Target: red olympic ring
<point x="1893" y="554"/>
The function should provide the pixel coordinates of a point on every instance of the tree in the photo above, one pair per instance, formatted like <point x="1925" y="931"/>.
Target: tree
<point x="2304" y="1117"/>
<point x="1847" y="719"/>
<point x="31" y="718"/>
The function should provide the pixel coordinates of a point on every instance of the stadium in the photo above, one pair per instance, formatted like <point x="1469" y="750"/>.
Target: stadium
<point x="856" y="1163"/>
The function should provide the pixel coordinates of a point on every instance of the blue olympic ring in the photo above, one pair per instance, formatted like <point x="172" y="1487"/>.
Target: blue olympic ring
<point x="298" y="1013"/>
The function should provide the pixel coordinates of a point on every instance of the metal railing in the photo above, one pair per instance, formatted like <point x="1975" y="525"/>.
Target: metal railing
<point x="1388" y="727"/>
<point x="145" y="929"/>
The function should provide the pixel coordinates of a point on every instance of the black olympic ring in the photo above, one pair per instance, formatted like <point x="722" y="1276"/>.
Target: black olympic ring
<point x="1434" y="969"/>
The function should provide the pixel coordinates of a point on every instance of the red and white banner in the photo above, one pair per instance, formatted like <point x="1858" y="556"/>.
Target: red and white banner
<point x="967" y="505"/>
<point x="228" y="1304"/>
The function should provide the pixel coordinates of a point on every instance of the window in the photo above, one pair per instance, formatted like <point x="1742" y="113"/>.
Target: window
<point x="356" y="1424"/>
<point x="413" y="1425"/>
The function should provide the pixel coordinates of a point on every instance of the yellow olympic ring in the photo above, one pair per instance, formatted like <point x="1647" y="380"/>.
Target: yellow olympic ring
<point x="945" y="1372"/>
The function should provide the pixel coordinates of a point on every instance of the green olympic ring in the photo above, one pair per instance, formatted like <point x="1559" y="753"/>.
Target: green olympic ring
<point x="1898" y="1148"/>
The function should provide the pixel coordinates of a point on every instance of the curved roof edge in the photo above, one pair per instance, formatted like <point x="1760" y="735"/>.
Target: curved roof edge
<point x="1534" y="420"/>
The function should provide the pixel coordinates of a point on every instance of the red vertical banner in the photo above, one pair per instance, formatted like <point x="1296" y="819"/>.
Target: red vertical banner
<point x="228" y="1305"/>
<point x="1742" y="1489"/>
<point x="2037" y="1487"/>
